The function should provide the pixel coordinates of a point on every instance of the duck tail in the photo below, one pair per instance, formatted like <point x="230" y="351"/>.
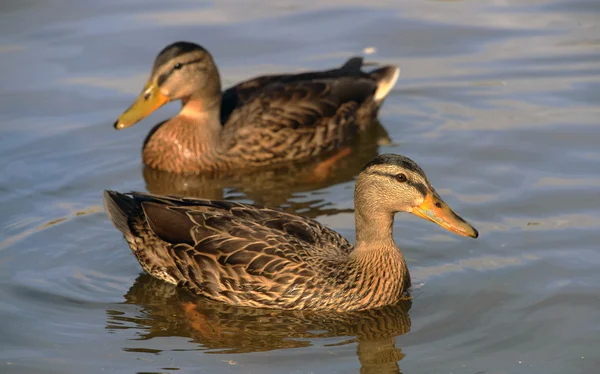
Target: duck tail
<point x="386" y="78"/>
<point x="353" y="65"/>
<point x="120" y="209"/>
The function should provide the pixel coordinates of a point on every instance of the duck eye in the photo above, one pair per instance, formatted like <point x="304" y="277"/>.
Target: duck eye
<point x="401" y="177"/>
<point x="178" y="66"/>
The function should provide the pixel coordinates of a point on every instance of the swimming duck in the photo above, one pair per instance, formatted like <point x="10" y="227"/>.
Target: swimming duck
<point x="264" y="121"/>
<point x="254" y="256"/>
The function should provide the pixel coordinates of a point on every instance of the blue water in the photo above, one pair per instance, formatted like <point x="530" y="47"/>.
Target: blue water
<point x="497" y="101"/>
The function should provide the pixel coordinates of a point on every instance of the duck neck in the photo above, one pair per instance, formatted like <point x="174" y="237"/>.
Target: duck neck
<point x="204" y="113"/>
<point x="374" y="231"/>
<point x="374" y="227"/>
<point x="382" y="266"/>
<point x="373" y="224"/>
<point x="383" y="273"/>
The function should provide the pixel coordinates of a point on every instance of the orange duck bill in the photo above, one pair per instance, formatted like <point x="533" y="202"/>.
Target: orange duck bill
<point x="434" y="209"/>
<point x="147" y="102"/>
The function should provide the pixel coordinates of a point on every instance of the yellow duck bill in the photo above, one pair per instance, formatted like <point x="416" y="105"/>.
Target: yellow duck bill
<point x="147" y="102"/>
<point x="435" y="210"/>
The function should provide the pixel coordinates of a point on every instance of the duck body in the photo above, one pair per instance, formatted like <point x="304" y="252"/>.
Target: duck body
<point x="263" y="121"/>
<point x="254" y="256"/>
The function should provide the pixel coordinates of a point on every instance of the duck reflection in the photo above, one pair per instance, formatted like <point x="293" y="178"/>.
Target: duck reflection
<point x="280" y="186"/>
<point x="169" y="311"/>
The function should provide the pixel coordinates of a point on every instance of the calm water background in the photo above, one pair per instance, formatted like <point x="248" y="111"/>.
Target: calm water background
<point x="497" y="101"/>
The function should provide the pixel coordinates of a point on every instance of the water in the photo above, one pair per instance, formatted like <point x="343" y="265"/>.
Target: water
<point x="497" y="101"/>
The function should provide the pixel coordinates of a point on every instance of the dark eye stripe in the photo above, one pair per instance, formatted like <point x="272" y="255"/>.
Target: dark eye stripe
<point x="163" y="77"/>
<point x="419" y="187"/>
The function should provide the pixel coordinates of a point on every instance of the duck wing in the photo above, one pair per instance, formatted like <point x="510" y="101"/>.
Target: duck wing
<point x="292" y="121"/>
<point x="288" y="117"/>
<point x="237" y="96"/>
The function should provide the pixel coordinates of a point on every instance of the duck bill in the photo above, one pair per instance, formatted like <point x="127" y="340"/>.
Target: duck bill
<point x="149" y="100"/>
<point x="443" y="216"/>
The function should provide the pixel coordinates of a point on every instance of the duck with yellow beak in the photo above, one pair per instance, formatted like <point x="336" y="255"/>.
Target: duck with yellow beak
<point x="264" y="121"/>
<point x="253" y="256"/>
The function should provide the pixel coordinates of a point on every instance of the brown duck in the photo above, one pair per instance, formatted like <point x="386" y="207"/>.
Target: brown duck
<point x="263" y="121"/>
<point x="254" y="256"/>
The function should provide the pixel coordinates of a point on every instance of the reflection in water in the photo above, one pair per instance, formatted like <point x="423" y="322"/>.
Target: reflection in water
<point x="276" y="186"/>
<point x="169" y="311"/>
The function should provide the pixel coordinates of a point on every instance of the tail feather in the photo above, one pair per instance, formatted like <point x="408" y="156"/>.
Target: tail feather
<point x="386" y="78"/>
<point x="120" y="208"/>
<point x="354" y="64"/>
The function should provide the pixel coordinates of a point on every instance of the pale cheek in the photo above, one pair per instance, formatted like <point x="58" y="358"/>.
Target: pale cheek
<point x="420" y="201"/>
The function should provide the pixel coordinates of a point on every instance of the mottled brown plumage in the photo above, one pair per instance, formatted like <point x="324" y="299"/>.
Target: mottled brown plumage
<point x="263" y="121"/>
<point x="255" y="256"/>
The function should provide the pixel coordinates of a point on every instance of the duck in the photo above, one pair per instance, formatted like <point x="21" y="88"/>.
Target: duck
<point x="260" y="257"/>
<point x="263" y="121"/>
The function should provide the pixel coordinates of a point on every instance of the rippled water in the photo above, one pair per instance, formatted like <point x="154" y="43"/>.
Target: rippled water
<point x="497" y="101"/>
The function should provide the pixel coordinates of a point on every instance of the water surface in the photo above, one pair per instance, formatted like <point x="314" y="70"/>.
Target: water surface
<point x="497" y="101"/>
